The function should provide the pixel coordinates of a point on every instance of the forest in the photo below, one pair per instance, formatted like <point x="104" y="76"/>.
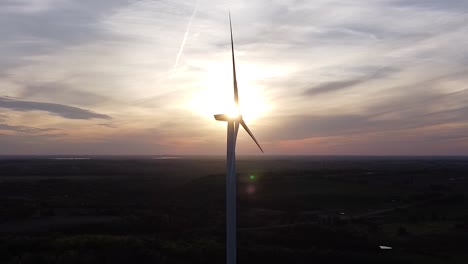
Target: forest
<point x="291" y="209"/>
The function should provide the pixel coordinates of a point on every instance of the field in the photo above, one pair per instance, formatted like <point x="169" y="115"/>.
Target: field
<point x="305" y="209"/>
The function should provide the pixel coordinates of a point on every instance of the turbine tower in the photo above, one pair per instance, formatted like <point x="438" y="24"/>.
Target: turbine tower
<point x="233" y="123"/>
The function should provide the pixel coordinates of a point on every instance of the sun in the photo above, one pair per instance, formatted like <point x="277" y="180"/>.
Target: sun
<point x="216" y="94"/>
<point x="233" y="112"/>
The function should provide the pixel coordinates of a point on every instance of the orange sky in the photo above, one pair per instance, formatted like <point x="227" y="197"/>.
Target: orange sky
<point x="315" y="77"/>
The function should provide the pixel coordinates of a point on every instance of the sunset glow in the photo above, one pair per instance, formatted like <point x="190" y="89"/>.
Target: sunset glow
<point x="216" y="94"/>
<point x="146" y="77"/>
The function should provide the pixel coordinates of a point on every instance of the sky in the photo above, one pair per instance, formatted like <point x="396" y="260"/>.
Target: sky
<point x="125" y="77"/>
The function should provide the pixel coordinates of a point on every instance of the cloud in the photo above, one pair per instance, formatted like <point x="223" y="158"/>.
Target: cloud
<point x="25" y="129"/>
<point x="62" y="93"/>
<point x="27" y="6"/>
<point x="133" y="143"/>
<point x="453" y="5"/>
<point x="57" y="109"/>
<point x="108" y="125"/>
<point x="404" y="112"/>
<point x="340" y="85"/>
<point x="30" y="28"/>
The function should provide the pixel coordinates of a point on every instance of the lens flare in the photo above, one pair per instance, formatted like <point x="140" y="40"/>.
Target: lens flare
<point x="251" y="189"/>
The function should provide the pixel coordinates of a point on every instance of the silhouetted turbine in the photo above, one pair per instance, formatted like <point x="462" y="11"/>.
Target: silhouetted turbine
<point x="231" y="180"/>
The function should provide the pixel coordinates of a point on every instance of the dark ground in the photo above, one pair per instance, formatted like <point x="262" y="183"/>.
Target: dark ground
<point x="293" y="210"/>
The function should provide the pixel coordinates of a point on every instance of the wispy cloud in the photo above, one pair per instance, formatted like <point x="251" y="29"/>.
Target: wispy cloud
<point x="27" y="6"/>
<point x="108" y="125"/>
<point x="397" y="120"/>
<point x="453" y="5"/>
<point x="184" y="40"/>
<point x="24" y="129"/>
<point x="61" y="92"/>
<point x="340" y="85"/>
<point x="57" y="109"/>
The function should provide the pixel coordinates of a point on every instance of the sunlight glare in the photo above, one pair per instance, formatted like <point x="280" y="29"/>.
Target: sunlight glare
<point x="233" y="111"/>
<point x="216" y="94"/>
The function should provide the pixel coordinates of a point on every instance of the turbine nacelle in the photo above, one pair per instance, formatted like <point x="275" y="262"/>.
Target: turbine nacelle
<point x="230" y="117"/>
<point x="239" y="120"/>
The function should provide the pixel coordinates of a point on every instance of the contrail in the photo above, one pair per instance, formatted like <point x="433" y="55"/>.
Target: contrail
<point x="184" y="40"/>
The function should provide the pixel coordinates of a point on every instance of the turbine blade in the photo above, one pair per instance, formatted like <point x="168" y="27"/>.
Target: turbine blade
<point x="244" y="125"/>
<point x="236" y="94"/>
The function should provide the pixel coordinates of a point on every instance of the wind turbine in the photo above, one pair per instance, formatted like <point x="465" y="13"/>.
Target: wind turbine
<point x="233" y="123"/>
